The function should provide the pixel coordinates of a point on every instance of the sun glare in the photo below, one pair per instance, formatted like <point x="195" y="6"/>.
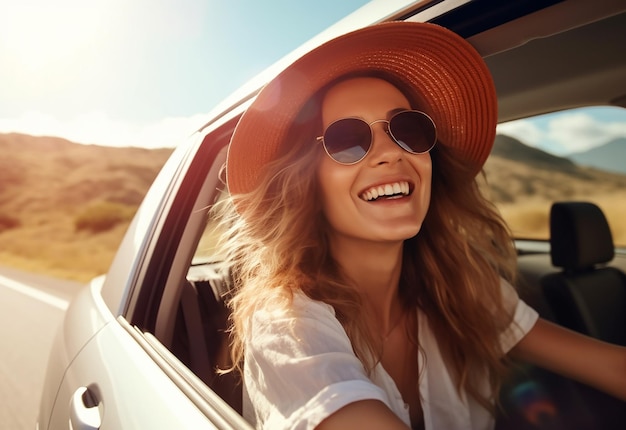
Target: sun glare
<point x="43" y="34"/>
<point x="45" y="44"/>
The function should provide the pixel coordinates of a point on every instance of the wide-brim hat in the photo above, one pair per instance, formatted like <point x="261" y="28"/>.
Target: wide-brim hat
<point x="447" y="76"/>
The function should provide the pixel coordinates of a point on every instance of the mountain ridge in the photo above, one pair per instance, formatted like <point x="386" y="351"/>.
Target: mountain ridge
<point x="610" y="156"/>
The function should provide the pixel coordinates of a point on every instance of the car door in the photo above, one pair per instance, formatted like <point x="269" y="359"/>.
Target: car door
<point x="114" y="383"/>
<point x="107" y="369"/>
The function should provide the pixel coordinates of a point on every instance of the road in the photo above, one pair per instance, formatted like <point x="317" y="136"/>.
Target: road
<point x="31" y="310"/>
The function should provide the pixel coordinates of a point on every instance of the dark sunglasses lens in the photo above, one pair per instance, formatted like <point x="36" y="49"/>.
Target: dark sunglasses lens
<point x="347" y="140"/>
<point x="413" y="131"/>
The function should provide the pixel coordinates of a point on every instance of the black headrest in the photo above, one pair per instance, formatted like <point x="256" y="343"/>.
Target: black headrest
<point x="579" y="236"/>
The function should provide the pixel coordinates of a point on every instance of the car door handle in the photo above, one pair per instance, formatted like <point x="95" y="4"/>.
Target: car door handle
<point x="85" y="409"/>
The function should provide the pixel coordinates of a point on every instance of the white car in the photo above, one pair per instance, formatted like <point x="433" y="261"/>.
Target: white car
<point x="138" y="346"/>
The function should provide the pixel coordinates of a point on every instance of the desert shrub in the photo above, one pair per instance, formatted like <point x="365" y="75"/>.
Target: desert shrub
<point x="8" y="222"/>
<point x="103" y="216"/>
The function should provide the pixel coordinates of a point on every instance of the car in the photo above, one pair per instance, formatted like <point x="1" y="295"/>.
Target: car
<point x="138" y="346"/>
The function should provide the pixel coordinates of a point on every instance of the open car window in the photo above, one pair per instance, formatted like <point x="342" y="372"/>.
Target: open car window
<point x="207" y="250"/>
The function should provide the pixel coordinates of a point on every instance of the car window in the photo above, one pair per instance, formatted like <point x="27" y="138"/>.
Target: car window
<point x="576" y="154"/>
<point x="207" y="250"/>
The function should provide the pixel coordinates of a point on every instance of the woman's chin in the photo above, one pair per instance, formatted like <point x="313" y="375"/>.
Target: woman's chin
<point x="398" y="233"/>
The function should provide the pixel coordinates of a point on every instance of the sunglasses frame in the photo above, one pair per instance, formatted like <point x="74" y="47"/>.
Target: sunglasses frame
<point x="388" y="131"/>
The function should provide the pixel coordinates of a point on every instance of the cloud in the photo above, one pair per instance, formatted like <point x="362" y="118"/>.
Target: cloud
<point x="567" y="132"/>
<point x="580" y="131"/>
<point x="524" y="130"/>
<point x="97" y="128"/>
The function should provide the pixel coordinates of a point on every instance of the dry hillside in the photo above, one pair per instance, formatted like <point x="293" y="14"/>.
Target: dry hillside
<point x="64" y="206"/>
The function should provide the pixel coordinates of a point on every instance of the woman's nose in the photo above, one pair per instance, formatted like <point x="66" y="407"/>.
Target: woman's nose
<point x="384" y="148"/>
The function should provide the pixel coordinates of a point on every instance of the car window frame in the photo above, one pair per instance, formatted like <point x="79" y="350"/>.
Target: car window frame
<point x="153" y="302"/>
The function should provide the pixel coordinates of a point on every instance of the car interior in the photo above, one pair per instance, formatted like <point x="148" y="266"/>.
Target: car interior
<point x="576" y="278"/>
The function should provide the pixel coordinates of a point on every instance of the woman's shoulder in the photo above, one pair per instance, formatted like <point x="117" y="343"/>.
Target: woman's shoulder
<point x="304" y="305"/>
<point x="286" y="327"/>
<point x="298" y="310"/>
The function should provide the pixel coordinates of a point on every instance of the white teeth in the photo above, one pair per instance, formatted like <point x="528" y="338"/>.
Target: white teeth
<point x="388" y="190"/>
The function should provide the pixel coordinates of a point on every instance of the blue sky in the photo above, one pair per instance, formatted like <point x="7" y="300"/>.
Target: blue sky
<point x="146" y="72"/>
<point x="121" y="71"/>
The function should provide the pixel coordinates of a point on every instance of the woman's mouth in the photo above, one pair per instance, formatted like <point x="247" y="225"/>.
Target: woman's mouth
<point x="393" y="190"/>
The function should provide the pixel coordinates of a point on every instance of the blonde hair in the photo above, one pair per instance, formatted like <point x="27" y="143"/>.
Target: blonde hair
<point x="276" y="244"/>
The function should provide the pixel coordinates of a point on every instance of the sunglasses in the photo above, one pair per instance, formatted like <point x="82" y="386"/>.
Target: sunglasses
<point x="348" y="140"/>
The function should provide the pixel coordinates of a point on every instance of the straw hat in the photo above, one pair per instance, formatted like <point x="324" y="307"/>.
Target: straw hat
<point x="449" y="79"/>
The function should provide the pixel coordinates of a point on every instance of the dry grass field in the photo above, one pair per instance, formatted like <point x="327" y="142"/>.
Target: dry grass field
<point x="64" y="207"/>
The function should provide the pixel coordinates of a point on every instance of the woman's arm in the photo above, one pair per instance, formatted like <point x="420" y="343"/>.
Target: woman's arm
<point x="584" y="359"/>
<point x="363" y="415"/>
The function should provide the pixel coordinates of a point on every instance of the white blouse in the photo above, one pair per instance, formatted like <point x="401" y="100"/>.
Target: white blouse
<point x="300" y="368"/>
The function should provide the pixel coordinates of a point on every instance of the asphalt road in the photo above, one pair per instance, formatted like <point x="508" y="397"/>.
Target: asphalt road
<point x="31" y="310"/>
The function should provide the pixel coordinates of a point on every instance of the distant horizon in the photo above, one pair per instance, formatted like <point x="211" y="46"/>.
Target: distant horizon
<point x="560" y="133"/>
<point x="503" y="130"/>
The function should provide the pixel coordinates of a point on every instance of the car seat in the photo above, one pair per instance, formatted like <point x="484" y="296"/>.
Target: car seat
<point x="586" y="295"/>
<point x="202" y="340"/>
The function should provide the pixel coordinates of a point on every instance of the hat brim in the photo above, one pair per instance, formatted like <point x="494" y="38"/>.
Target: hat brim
<point x="447" y="75"/>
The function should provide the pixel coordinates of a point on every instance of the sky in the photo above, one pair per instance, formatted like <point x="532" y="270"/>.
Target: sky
<point x="140" y="72"/>
<point x="564" y="133"/>
<point x="147" y="72"/>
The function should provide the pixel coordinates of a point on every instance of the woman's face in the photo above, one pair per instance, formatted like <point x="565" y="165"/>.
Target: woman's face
<point x="344" y="188"/>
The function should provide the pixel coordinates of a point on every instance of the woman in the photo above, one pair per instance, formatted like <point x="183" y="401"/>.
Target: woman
<point x="373" y="281"/>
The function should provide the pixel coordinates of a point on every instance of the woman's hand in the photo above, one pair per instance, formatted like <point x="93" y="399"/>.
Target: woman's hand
<point x="576" y="356"/>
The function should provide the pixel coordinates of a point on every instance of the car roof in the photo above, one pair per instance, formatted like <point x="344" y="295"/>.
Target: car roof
<point x="539" y="66"/>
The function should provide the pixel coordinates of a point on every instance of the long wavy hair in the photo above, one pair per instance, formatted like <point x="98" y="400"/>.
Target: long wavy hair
<point x="275" y="242"/>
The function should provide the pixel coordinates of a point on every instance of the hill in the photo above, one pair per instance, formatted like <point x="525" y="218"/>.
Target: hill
<point x="511" y="148"/>
<point x="54" y="192"/>
<point x="610" y="156"/>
